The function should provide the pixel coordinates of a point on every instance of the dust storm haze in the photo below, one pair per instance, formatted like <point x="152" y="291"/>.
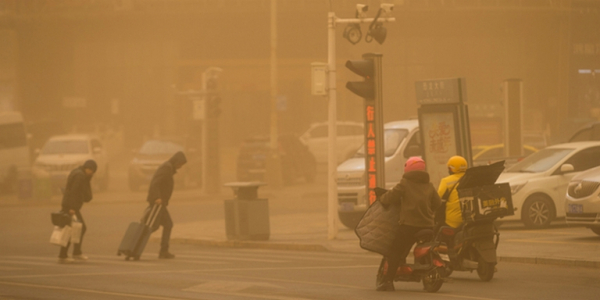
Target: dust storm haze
<point x="121" y="69"/>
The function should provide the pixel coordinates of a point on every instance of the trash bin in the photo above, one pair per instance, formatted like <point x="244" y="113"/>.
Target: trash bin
<point x="246" y="216"/>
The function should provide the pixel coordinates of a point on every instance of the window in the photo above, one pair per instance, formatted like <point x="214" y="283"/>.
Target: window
<point x="585" y="159"/>
<point x="349" y="130"/>
<point x="583" y="135"/>
<point x="392" y="140"/>
<point x="540" y="161"/>
<point x="319" y="132"/>
<point x="66" y="147"/>
<point x="415" y="140"/>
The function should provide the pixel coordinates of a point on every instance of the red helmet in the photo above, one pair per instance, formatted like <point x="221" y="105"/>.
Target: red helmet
<point x="414" y="163"/>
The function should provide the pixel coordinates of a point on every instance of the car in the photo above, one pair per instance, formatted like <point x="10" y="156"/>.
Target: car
<point x="539" y="182"/>
<point x="589" y="132"/>
<point x="63" y="153"/>
<point x="482" y="155"/>
<point x="155" y="152"/>
<point x="296" y="160"/>
<point x="350" y="136"/>
<point x="582" y="204"/>
<point x="401" y="141"/>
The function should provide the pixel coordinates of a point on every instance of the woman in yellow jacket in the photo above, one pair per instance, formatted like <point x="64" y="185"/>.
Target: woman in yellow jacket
<point x="457" y="165"/>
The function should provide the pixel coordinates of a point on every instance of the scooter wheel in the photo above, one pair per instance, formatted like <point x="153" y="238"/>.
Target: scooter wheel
<point x="485" y="270"/>
<point x="434" y="280"/>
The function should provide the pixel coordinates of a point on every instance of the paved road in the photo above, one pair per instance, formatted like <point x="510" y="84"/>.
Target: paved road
<point x="210" y="273"/>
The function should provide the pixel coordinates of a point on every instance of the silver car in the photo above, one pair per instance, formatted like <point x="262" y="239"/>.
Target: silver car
<point x="582" y="205"/>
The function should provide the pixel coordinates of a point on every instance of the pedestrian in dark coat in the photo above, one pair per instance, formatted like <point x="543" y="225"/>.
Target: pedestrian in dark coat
<point x="160" y="191"/>
<point x="418" y="199"/>
<point x="77" y="191"/>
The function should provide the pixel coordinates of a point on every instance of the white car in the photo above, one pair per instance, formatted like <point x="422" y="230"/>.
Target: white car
<point x="583" y="200"/>
<point x="350" y="136"/>
<point x="61" y="154"/>
<point x="539" y="182"/>
<point x="402" y="140"/>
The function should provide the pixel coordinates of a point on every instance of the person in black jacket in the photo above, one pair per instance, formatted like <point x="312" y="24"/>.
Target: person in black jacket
<point x="77" y="192"/>
<point x="161" y="188"/>
<point x="418" y="200"/>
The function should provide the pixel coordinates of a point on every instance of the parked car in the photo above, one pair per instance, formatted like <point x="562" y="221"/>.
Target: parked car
<point x="589" y="132"/>
<point x="483" y="155"/>
<point x="401" y="141"/>
<point x="539" y="182"/>
<point x="582" y="203"/>
<point x="350" y="135"/>
<point x="296" y="160"/>
<point x="155" y="152"/>
<point x="14" y="150"/>
<point x="63" y="153"/>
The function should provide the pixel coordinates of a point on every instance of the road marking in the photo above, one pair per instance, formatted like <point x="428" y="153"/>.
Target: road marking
<point x="59" y="288"/>
<point x="2" y="268"/>
<point x="232" y="258"/>
<point x="229" y="286"/>
<point x="93" y="261"/>
<point x="15" y="262"/>
<point x="550" y="242"/>
<point x="294" y="256"/>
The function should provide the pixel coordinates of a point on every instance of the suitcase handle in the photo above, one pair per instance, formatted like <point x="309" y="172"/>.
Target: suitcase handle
<point x="152" y="215"/>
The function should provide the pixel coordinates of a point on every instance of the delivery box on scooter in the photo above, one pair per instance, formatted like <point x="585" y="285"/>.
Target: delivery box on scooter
<point x="481" y="199"/>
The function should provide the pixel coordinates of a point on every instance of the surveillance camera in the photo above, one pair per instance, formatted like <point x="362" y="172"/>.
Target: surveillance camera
<point x="387" y="7"/>
<point x="361" y="9"/>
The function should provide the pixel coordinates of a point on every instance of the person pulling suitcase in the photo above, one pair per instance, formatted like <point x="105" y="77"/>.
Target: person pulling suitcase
<point x="159" y="192"/>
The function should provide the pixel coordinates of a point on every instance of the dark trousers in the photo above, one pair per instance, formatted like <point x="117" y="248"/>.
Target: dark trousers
<point x="164" y="220"/>
<point x="77" y="247"/>
<point x="401" y="247"/>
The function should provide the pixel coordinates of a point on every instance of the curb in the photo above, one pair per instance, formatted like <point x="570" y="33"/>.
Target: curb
<point x="321" y="248"/>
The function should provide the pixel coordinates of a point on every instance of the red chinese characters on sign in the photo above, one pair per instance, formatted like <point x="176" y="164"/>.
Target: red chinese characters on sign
<point x="439" y="137"/>
<point x="370" y="160"/>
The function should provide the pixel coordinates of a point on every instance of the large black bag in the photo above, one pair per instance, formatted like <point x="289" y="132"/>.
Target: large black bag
<point x="137" y="234"/>
<point x="378" y="228"/>
<point x="60" y="218"/>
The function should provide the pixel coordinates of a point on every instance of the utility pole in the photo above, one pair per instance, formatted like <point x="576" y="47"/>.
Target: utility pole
<point x="211" y="181"/>
<point x="332" y="21"/>
<point x="274" y="161"/>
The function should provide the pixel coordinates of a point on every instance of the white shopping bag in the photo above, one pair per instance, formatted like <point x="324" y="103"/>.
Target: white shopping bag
<point x="76" y="228"/>
<point x="61" y="236"/>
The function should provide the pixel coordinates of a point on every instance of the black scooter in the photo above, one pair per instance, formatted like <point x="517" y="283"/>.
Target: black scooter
<point x="471" y="247"/>
<point x="428" y="267"/>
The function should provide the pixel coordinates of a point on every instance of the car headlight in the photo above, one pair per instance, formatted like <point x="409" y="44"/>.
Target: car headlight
<point x="514" y="188"/>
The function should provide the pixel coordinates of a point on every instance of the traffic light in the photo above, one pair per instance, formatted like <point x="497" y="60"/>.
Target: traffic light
<point x="366" y="69"/>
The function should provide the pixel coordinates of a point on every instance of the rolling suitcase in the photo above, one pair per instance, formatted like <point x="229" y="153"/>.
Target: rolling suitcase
<point x="137" y="234"/>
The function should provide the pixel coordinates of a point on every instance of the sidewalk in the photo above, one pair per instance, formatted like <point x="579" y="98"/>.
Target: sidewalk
<point x="560" y="245"/>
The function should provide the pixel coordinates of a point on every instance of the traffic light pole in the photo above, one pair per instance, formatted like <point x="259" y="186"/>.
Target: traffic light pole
<point x="332" y="204"/>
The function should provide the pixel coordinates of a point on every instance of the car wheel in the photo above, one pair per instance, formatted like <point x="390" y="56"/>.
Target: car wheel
<point x="596" y="230"/>
<point x="537" y="212"/>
